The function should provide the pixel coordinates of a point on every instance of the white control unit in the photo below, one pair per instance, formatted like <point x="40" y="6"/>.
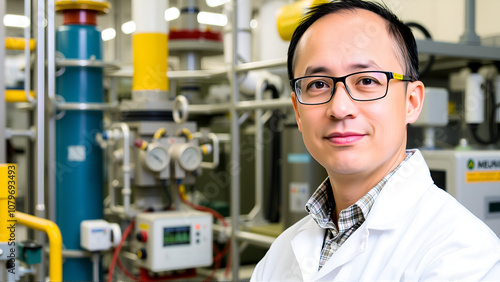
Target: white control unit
<point x="173" y="240"/>
<point x="99" y="235"/>
<point x="472" y="177"/>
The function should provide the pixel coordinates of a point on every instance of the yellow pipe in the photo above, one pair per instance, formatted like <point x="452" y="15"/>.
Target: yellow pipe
<point x="159" y="133"/>
<point x="17" y="43"/>
<point x="55" y="241"/>
<point x="150" y="61"/>
<point x="13" y="96"/>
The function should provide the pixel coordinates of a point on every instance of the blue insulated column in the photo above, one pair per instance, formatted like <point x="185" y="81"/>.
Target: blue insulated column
<point x="79" y="167"/>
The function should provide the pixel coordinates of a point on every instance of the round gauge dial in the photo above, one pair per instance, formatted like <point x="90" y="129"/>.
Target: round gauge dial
<point x="190" y="158"/>
<point x="156" y="158"/>
<point x="188" y="155"/>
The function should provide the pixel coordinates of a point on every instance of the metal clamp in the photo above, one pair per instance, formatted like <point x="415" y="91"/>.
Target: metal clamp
<point x="180" y="109"/>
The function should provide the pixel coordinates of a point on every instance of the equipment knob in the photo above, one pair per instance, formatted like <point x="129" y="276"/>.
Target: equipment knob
<point x="142" y="236"/>
<point x="142" y="254"/>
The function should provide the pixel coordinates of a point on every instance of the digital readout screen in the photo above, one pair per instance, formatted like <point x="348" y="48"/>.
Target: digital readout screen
<point x="176" y="235"/>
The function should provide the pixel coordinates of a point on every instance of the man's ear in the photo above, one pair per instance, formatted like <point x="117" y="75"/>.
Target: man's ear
<point x="297" y="115"/>
<point x="415" y="97"/>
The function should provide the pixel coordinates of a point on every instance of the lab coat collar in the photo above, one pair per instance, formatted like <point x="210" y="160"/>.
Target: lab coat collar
<point x="400" y="194"/>
<point x="396" y="200"/>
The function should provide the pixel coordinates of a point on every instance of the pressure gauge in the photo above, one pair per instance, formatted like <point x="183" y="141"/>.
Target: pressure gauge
<point x="156" y="158"/>
<point x="188" y="155"/>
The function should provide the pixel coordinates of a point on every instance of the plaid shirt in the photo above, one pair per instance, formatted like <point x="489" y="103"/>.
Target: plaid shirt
<point x="321" y="205"/>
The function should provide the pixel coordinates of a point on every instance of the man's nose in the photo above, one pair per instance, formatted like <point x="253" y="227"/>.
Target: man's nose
<point x="341" y="105"/>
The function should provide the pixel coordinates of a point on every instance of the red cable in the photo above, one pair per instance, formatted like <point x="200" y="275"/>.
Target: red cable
<point x="219" y="217"/>
<point x="117" y="250"/>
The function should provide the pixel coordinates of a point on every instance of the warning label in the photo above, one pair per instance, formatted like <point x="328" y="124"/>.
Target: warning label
<point x="482" y="176"/>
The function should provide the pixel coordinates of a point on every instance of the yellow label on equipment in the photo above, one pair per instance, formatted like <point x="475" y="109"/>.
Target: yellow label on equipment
<point x="482" y="176"/>
<point x="143" y="226"/>
<point x="8" y="193"/>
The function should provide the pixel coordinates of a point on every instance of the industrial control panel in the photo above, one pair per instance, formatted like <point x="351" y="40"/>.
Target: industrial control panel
<point x="472" y="177"/>
<point x="173" y="240"/>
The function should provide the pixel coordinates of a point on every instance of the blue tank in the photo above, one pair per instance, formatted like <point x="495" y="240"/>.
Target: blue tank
<point x="79" y="161"/>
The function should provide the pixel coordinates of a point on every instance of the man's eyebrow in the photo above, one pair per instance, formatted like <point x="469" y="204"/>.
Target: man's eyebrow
<point x="356" y="66"/>
<point x="315" y="70"/>
<point x="370" y="64"/>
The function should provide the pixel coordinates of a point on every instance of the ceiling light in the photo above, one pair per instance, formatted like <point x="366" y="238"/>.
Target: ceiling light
<point x="16" y="21"/>
<point x="212" y="18"/>
<point x="128" y="27"/>
<point x="215" y="3"/>
<point x="108" y="34"/>
<point x="172" y="14"/>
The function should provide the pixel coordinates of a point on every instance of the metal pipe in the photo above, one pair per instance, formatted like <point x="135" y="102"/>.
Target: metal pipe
<point x="40" y="122"/>
<point x="95" y="266"/>
<point x="51" y="129"/>
<point x="126" y="190"/>
<point x="28" y="43"/>
<point x="235" y="167"/>
<point x="259" y="153"/>
<point x="243" y="105"/>
<point x="30" y="133"/>
<point x="470" y="36"/>
<point x="3" y="114"/>
<point x="265" y="64"/>
<point x="252" y="238"/>
<point x="55" y="241"/>
<point x="215" y="152"/>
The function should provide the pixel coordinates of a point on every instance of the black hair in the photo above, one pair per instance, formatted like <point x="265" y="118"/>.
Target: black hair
<point x="397" y="29"/>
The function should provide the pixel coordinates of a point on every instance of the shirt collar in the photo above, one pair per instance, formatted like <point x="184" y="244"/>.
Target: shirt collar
<point x="321" y="204"/>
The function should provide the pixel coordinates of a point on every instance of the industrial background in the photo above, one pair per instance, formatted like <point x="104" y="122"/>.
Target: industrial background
<point x="155" y="140"/>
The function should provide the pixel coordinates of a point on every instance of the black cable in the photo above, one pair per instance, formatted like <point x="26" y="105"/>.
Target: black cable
<point x="432" y="58"/>
<point x="167" y="194"/>
<point x="274" y="199"/>
<point x="491" y="110"/>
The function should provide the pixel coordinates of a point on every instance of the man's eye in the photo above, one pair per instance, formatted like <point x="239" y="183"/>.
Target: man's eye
<point x="366" y="81"/>
<point x="318" y="84"/>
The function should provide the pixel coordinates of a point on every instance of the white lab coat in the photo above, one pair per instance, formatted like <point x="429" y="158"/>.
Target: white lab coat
<point x="414" y="232"/>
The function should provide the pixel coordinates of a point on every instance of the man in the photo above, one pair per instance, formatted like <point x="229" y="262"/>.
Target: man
<point x="353" y="68"/>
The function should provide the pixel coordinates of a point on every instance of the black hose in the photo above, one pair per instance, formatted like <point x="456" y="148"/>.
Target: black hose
<point x="432" y="58"/>
<point x="274" y="199"/>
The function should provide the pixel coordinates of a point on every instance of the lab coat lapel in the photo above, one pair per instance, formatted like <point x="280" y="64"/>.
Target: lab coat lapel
<point x="306" y="247"/>
<point x="352" y="247"/>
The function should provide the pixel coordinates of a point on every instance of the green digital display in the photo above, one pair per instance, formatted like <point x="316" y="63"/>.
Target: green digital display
<point x="176" y="235"/>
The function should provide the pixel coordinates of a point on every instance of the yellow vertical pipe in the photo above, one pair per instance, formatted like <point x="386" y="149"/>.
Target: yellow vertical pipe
<point x="150" y="61"/>
<point x="8" y="193"/>
<point x="55" y="241"/>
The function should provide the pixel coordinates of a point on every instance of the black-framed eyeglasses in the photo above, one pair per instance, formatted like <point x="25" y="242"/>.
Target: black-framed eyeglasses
<point x="361" y="86"/>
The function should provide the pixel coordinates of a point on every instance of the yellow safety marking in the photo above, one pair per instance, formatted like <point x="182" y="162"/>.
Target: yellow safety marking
<point x="150" y="61"/>
<point x="143" y="226"/>
<point x="8" y="193"/>
<point x="482" y="176"/>
<point x="100" y="6"/>
<point x="14" y="96"/>
<point x="17" y="43"/>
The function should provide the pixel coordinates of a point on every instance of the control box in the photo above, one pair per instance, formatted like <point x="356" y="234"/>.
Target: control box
<point x="472" y="177"/>
<point x="173" y="240"/>
<point x="99" y="235"/>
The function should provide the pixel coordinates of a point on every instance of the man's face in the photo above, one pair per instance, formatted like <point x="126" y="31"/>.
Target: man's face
<point x="349" y="137"/>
